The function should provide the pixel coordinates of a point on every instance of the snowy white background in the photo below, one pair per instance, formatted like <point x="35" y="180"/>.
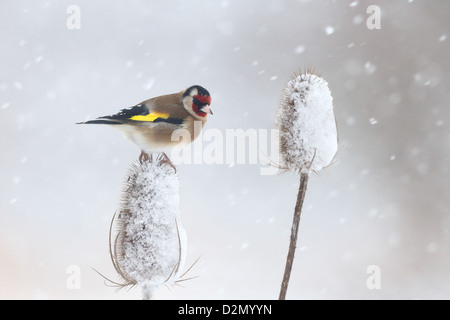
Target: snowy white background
<point x="385" y="202"/>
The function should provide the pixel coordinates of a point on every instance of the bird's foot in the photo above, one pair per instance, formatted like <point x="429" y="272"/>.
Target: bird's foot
<point x="143" y="157"/>
<point x="167" y="160"/>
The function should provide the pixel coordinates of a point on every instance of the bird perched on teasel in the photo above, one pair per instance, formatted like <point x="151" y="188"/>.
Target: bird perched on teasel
<point x="150" y="124"/>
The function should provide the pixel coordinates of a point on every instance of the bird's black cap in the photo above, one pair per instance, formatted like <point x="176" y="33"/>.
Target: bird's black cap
<point x="201" y="91"/>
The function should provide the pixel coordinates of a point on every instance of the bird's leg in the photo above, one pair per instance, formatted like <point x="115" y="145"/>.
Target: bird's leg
<point x="167" y="160"/>
<point x="143" y="157"/>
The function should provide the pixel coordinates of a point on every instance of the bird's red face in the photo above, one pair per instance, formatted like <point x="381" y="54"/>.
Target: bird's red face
<point x="200" y="105"/>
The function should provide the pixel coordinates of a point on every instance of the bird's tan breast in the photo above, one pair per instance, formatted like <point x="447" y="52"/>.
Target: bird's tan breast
<point x="161" y="137"/>
<point x="194" y="127"/>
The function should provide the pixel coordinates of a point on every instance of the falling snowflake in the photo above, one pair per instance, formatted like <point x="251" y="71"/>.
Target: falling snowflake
<point x="329" y="30"/>
<point x="373" y="121"/>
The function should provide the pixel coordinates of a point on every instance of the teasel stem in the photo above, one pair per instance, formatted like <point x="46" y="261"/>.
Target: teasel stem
<point x="308" y="141"/>
<point x="294" y="234"/>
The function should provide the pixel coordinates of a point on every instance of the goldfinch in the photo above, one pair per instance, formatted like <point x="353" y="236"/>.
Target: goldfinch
<point x="150" y="124"/>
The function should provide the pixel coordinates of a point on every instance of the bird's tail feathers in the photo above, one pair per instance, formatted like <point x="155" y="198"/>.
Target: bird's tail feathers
<point x="100" y="121"/>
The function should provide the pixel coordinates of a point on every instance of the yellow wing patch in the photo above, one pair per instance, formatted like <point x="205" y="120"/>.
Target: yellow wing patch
<point x="150" y="117"/>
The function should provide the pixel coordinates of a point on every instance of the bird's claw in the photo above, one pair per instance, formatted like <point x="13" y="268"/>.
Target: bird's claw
<point x="167" y="160"/>
<point x="143" y="157"/>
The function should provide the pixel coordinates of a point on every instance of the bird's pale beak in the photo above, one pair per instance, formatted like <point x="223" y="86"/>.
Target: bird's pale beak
<point x="206" y="109"/>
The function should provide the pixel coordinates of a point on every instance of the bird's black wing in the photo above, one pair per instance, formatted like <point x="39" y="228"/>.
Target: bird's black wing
<point x="128" y="113"/>
<point x="142" y="113"/>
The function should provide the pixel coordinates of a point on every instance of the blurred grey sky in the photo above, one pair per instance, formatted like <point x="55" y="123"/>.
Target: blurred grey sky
<point x="384" y="203"/>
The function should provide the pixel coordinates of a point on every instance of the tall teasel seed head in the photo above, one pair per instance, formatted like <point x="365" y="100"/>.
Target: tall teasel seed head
<point x="308" y="133"/>
<point x="150" y="244"/>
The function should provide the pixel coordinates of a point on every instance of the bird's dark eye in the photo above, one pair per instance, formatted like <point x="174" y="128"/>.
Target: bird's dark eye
<point x="199" y="104"/>
<point x="201" y="101"/>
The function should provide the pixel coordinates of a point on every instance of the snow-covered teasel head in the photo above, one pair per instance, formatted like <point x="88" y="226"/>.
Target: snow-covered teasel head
<point x="308" y="133"/>
<point x="150" y="245"/>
